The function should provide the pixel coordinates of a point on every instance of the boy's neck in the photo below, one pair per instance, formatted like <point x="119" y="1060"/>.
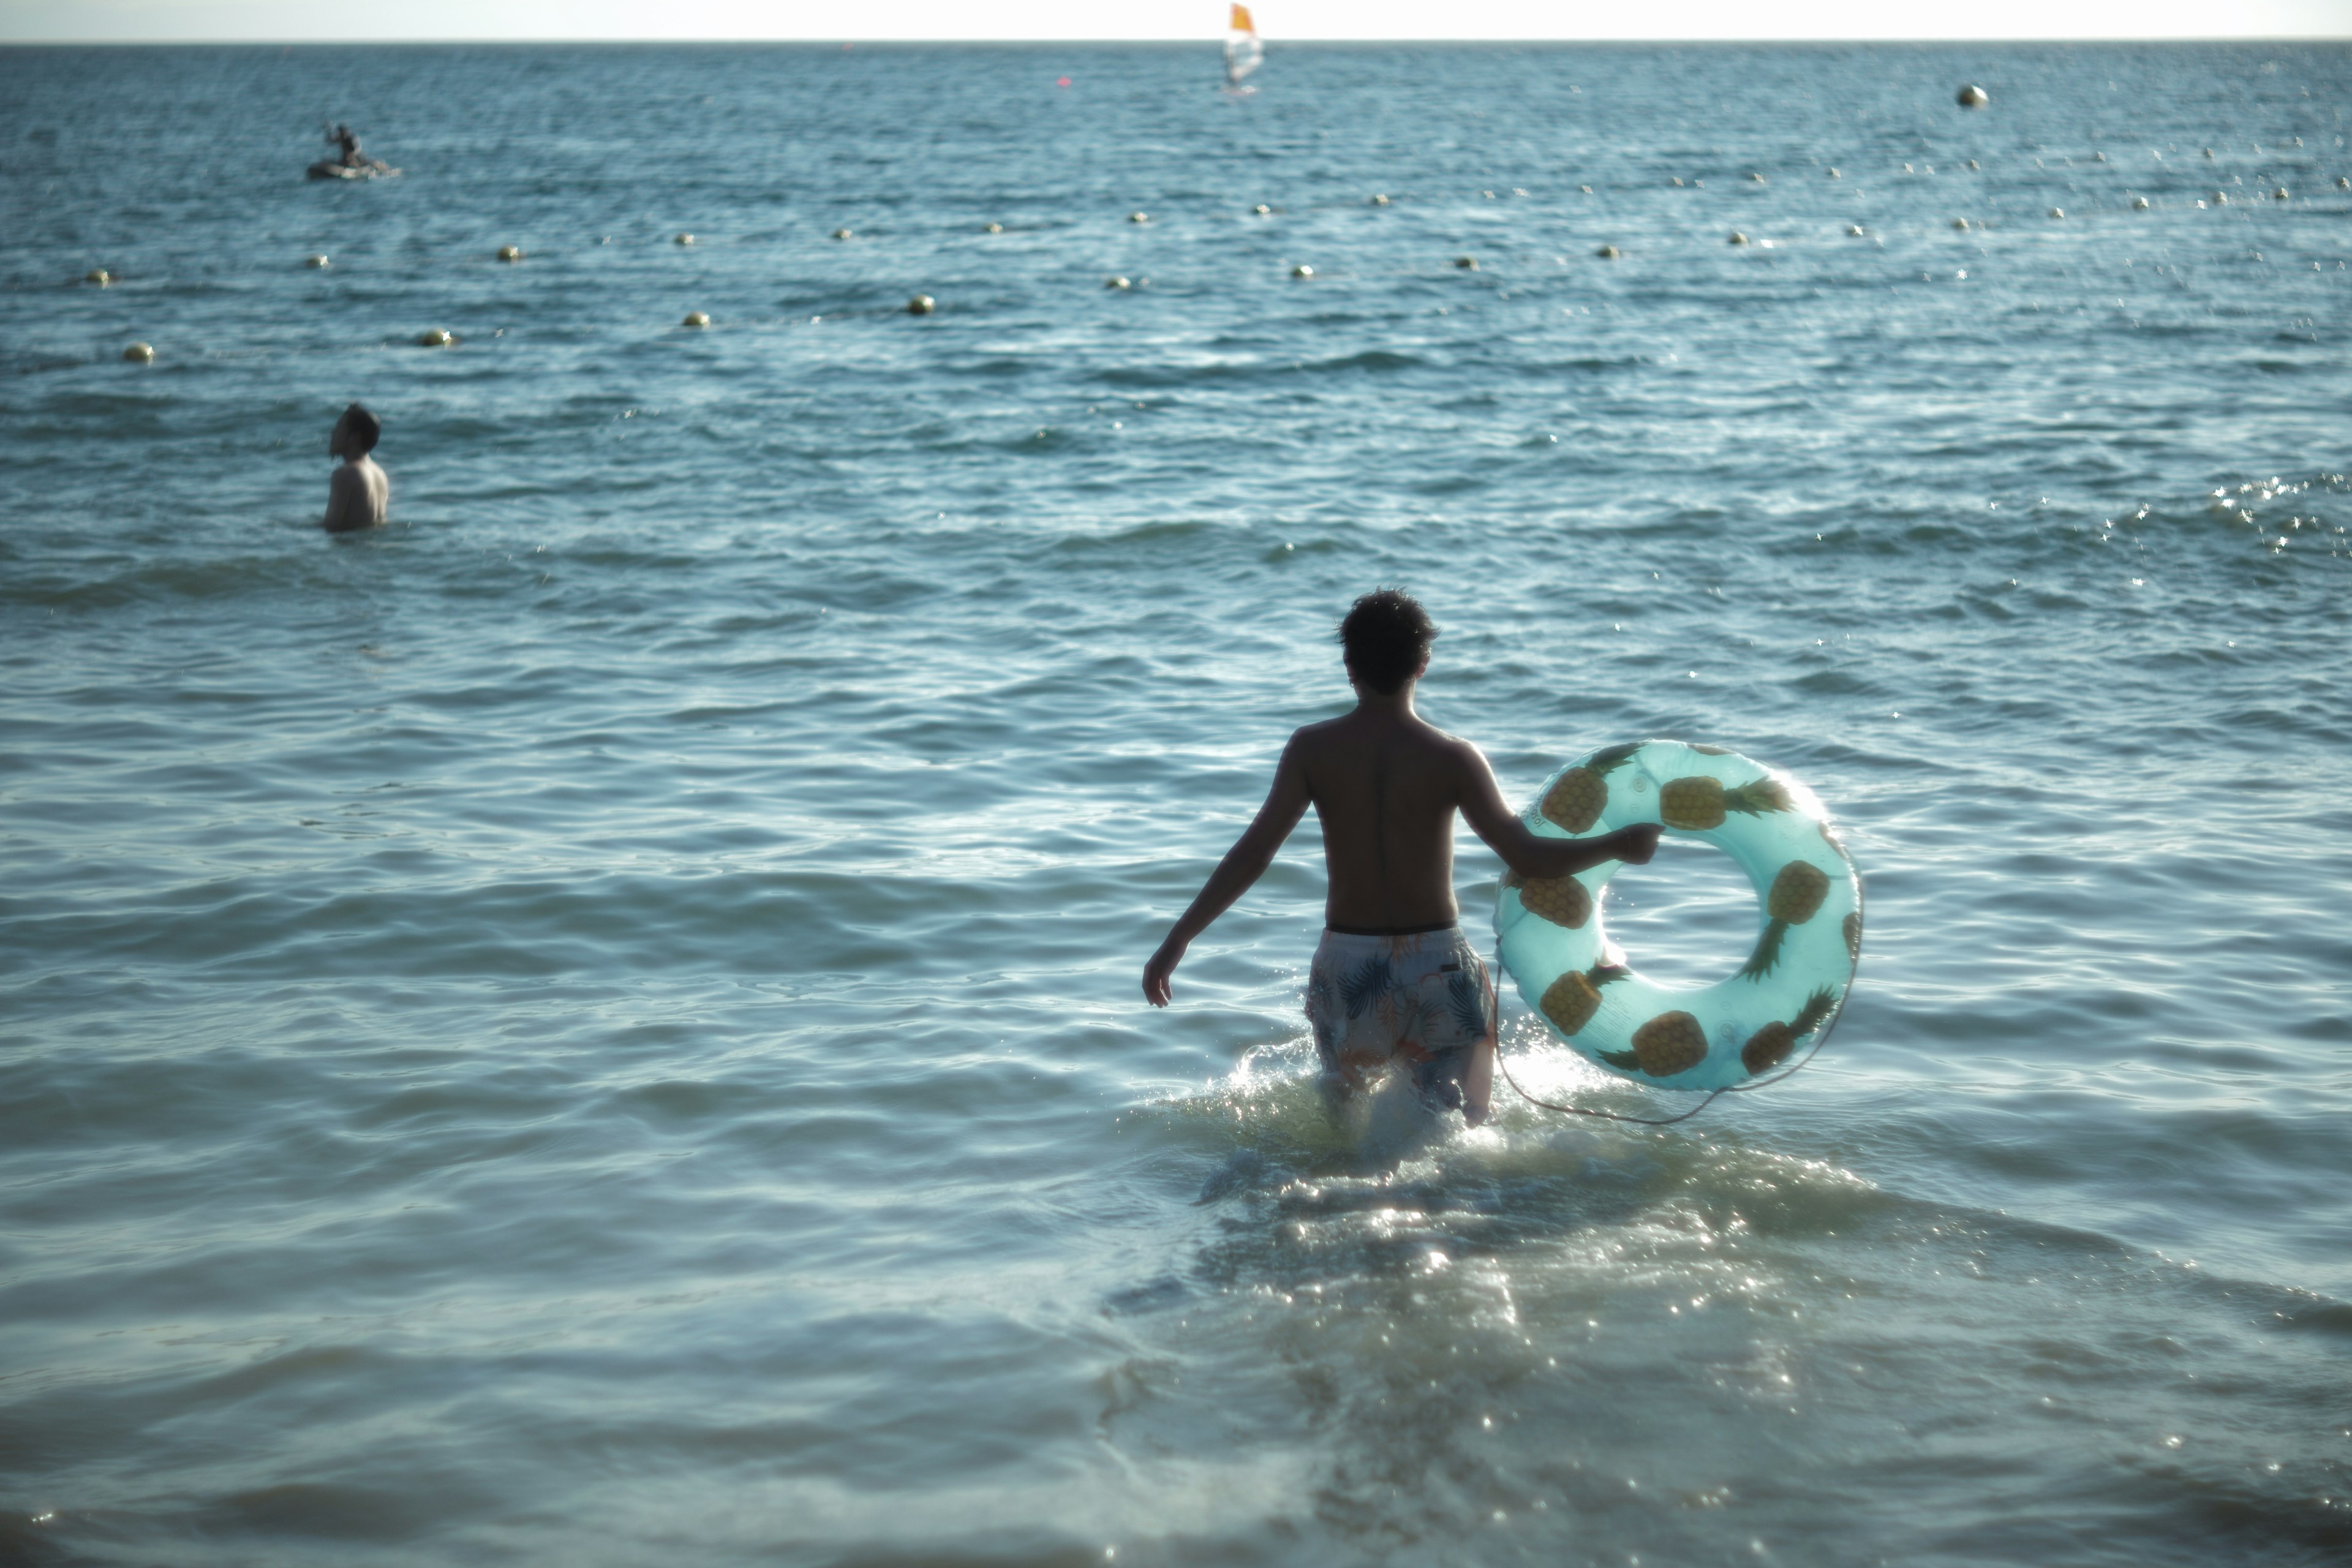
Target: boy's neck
<point x="1397" y="704"/>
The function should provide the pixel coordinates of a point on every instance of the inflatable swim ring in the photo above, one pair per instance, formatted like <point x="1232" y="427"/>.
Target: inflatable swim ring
<point x="1551" y="938"/>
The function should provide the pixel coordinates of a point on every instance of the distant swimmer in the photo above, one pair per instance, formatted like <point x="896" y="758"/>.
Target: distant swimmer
<point x="358" y="495"/>
<point x="1394" y="981"/>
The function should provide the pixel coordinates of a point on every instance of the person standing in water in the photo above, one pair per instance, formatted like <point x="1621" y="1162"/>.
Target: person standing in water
<point x="1394" y="981"/>
<point x="360" y="494"/>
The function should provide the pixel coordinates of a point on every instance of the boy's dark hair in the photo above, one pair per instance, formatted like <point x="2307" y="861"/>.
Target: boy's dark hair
<point x="365" y="425"/>
<point x="1384" y="638"/>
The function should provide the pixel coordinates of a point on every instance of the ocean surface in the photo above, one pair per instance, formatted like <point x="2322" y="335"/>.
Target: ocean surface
<point x="600" y="1024"/>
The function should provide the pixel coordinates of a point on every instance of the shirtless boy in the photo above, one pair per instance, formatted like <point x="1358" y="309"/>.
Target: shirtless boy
<point x="358" y="495"/>
<point x="1394" y="981"/>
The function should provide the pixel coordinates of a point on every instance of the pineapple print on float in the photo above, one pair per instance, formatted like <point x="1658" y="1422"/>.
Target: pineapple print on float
<point x="1575" y="798"/>
<point x="1560" y="899"/>
<point x="1552" y="936"/>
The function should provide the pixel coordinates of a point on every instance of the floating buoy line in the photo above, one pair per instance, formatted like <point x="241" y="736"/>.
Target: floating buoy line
<point x="924" y="304"/>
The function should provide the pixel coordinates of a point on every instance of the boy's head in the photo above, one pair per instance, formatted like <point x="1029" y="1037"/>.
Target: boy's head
<point x="1385" y="639"/>
<point x="355" y="433"/>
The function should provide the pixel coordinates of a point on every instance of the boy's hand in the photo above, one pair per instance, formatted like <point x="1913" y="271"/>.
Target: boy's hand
<point x="1636" y="844"/>
<point x="1157" y="972"/>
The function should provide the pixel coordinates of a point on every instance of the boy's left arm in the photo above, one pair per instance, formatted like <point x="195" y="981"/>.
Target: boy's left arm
<point x="1483" y="808"/>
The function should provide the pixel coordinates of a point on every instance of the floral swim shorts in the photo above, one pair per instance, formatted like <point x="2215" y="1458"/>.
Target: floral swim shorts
<point x="1422" y="1002"/>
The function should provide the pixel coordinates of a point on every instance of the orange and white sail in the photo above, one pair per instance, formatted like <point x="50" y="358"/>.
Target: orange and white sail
<point x="1243" y="53"/>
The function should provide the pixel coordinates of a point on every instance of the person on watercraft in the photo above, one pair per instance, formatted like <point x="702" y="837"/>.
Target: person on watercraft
<point x="341" y="137"/>
<point x="1394" y="982"/>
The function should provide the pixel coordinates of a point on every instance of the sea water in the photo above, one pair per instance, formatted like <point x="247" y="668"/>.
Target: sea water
<point x="599" y="1024"/>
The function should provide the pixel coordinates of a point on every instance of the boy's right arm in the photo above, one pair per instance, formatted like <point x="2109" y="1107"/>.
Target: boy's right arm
<point x="1529" y="854"/>
<point x="1244" y="864"/>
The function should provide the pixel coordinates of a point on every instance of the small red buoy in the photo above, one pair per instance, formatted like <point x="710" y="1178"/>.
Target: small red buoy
<point x="1061" y="81"/>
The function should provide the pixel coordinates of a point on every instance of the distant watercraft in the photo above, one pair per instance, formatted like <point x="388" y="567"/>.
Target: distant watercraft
<point x="334" y="169"/>
<point x="349" y="164"/>
<point x="1243" y="53"/>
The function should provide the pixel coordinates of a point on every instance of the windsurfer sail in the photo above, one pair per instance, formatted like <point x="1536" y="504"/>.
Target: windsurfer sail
<point x="1243" y="53"/>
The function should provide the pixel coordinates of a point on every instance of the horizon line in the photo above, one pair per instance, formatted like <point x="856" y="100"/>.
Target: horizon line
<point x="846" y="41"/>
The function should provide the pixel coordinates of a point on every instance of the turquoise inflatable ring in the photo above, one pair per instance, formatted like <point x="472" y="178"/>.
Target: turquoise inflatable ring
<point x="1550" y="938"/>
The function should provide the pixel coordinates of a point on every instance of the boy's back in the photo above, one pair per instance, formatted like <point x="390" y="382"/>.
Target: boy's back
<point x="1385" y="786"/>
<point x="358" y="496"/>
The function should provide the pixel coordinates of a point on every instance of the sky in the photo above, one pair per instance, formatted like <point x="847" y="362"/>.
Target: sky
<point x="1010" y="20"/>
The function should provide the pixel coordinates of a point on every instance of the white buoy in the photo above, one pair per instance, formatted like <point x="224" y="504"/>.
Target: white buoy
<point x="1755" y="178"/>
<point x="921" y="305"/>
<point x="2279" y="194"/>
<point x="1837" y="174"/>
<point x="2139" y="203"/>
<point x="1467" y="263"/>
<point x="1972" y="163"/>
<point x="1263" y="210"/>
<point x="2209" y="152"/>
<point x="436" y="339"/>
<point x="1380" y="198"/>
<point x="1855" y="229"/>
<point x="318" y="261"/>
<point x="842" y="234"/>
<point x="1139" y="217"/>
<point x="1116" y="283"/>
<point x="2057" y="212"/>
<point x="696" y="319"/>
<point x="1959" y="223"/>
<point x="685" y="240"/>
<point x="1678" y="181"/>
<point x="2100" y="157"/>
<point x="1302" y="270"/>
<point x="509" y="253"/>
<point x="2343" y="181"/>
<point x="139" y="354"/>
<point x="99" y="275"/>
<point x="1972" y="97"/>
<point x="1584" y="190"/>
<point x="1737" y="238"/>
<point x="993" y="228"/>
<point x="2221" y="198"/>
